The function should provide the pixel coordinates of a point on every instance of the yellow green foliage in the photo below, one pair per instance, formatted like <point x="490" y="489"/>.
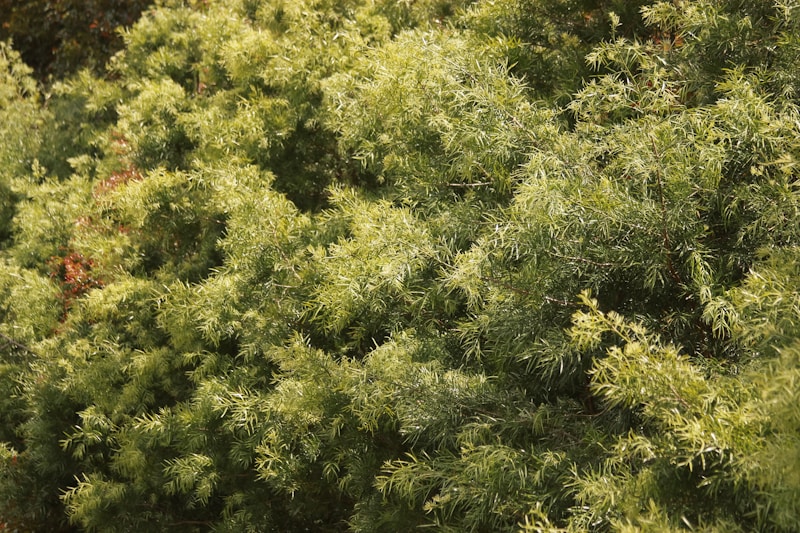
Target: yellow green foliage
<point x="380" y="265"/>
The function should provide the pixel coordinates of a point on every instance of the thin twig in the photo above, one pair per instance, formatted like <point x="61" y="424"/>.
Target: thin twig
<point x="664" y="229"/>
<point x="581" y="260"/>
<point x="562" y="303"/>
<point x="18" y="344"/>
<point x="512" y="288"/>
<point x="679" y="398"/>
<point x="479" y="184"/>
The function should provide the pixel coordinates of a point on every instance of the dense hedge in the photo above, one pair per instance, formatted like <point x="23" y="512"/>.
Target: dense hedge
<point x="371" y="265"/>
<point x="57" y="37"/>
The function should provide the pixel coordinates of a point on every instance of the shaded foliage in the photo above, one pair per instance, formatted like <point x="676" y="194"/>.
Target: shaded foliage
<point x="58" y="37"/>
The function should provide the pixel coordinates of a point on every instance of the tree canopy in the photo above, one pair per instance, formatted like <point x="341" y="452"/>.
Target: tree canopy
<point x="383" y="265"/>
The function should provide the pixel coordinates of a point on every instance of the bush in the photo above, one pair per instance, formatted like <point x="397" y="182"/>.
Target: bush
<point x="57" y="37"/>
<point x="369" y="266"/>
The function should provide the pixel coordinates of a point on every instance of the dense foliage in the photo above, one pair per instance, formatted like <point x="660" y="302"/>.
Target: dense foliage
<point x="377" y="265"/>
<point x="58" y="37"/>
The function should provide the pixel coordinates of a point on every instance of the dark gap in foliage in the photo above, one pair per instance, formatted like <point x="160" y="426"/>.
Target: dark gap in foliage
<point x="57" y="38"/>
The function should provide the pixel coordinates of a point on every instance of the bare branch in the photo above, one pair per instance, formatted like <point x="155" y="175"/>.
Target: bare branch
<point x="12" y="342"/>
